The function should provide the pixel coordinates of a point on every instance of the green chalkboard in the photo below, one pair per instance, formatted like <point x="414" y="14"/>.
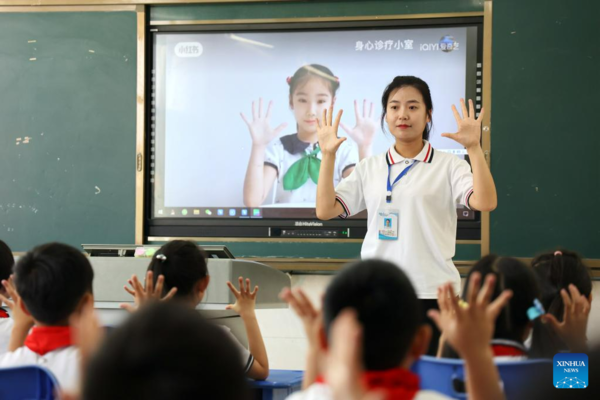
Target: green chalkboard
<point x="67" y="127"/>
<point x="545" y="139"/>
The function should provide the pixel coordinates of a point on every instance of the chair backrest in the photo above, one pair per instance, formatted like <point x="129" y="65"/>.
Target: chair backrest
<point x="26" y="383"/>
<point x="447" y="376"/>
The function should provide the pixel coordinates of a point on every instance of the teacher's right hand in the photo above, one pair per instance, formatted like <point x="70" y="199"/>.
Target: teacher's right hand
<point x="329" y="142"/>
<point x="260" y="129"/>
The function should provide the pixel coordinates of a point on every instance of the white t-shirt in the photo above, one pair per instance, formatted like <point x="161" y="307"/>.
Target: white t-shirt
<point x="427" y="198"/>
<point x="64" y="363"/>
<point x="246" y="358"/>
<point x="6" y="325"/>
<point x="285" y="151"/>
<point x="320" y="391"/>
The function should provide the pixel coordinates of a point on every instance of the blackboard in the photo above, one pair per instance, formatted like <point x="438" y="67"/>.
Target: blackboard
<point x="67" y="127"/>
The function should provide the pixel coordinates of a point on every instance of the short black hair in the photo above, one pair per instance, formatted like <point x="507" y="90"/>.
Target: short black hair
<point x="6" y="261"/>
<point x="387" y="307"/>
<point x="184" y="266"/>
<point x="421" y="86"/>
<point x="51" y="280"/>
<point x="166" y="351"/>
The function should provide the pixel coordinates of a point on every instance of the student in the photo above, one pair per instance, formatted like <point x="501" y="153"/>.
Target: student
<point x="393" y="335"/>
<point x="520" y="316"/>
<point x="165" y="351"/>
<point x="53" y="282"/>
<point x="556" y="272"/>
<point x="179" y="271"/>
<point x="414" y="185"/>
<point x="293" y="160"/>
<point x="6" y="323"/>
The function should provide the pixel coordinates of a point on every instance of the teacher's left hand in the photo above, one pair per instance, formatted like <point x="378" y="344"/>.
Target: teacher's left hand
<point x="469" y="128"/>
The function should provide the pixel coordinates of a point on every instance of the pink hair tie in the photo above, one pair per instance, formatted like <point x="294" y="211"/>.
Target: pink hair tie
<point x="558" y="253"/>
<point x="288" y="80"/>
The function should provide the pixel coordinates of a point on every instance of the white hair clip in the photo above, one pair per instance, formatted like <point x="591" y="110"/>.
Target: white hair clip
<point x="161" y="257"/>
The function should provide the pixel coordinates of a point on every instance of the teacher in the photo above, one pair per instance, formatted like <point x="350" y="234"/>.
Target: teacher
<point x="411" y="191"/>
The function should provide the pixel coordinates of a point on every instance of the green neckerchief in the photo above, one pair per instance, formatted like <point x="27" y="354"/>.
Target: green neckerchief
<point x="298" y="173"/>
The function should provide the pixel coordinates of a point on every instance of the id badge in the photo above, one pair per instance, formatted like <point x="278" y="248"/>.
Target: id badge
<point x="387" y="224"/>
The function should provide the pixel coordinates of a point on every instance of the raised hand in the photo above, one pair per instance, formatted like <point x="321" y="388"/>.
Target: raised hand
<point x="260" y="128"/>
<point x="365" y="127"/>
<point x="329" y="142"/>
<point x="572" y="330"/>
<point x="469" y="128"/>
<point x="469" y="328"/>
<point x="311" y="318"/>
<point x="14" y="302"/>
<point x="245" y="300"/>
<point x="143" y="294"/>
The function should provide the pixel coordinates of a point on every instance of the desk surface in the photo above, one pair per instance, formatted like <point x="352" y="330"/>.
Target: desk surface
<point x="279" y="378"/>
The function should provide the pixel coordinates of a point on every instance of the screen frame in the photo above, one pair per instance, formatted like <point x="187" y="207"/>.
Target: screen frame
<point x="468" y="230"/>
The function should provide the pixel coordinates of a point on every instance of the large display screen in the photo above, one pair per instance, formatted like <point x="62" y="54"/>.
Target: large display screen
<point x="233" y="133"/>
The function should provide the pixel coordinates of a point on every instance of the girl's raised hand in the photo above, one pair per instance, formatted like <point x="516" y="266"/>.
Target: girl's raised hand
<point x="245" y="299"/>
<point x="573" y="328"/>
<point x="143" y="294"/>
<point x="329" y="142"/>
<point x="365" y="127"/>
<point x="469" y="128"/>
<point x="260" y="128"/>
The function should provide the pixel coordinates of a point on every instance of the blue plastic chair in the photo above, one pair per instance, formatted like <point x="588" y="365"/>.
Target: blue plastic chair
<point x="27" y="383"/>
<point x="279" y="385"/>
<point x="447" y="376"/>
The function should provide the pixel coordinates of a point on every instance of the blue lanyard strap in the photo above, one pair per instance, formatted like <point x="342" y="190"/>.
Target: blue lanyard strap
<point x="388" y="198"/>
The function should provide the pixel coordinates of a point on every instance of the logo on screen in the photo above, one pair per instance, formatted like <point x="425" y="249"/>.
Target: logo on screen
<point x="188" y="49"/>
<point x="570" y="371"/>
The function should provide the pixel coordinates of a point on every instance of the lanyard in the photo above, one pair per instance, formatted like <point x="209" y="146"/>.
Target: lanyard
<point x="388" y="198"/>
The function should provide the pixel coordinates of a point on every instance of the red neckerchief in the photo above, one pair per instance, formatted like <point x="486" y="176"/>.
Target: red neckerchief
<point x="44" y="339"/>
<point x="3" y="313"/>
<point x="508" y="348"/>
<point x="398" y="383"/>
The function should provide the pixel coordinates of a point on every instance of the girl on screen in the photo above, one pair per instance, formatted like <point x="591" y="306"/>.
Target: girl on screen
<point x="413" y="185"/>
<point x="294" y="160"/>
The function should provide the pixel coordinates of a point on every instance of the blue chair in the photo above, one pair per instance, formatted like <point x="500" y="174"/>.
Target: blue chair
<point x="26" y="383"/>
<point x="447" y="376"/>
<point x="278" y="386"/>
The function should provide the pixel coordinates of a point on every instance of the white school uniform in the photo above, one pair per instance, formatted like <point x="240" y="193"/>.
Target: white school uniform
<point x="321" y="391"/>
<point x="6" y="325"/>
<point x="246" y="358"/>
<point x="64" y="363"/>
<point x="426" y="197"/>
<point x="285" y="151"/>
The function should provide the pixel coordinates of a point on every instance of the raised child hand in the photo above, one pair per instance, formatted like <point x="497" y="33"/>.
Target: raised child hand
<point x="20" y="317"/>
<point x="260" y="128"/>
<point x="143" y="294"/>
<point x="365" y="127"/>
<point x="329" y="142"/>
<point x="572" y="330"/>
<point x="469" y="328"/>
<point x="469" y="128"/>
<point x="244" y="298"/>
<point x="311" y="318"/>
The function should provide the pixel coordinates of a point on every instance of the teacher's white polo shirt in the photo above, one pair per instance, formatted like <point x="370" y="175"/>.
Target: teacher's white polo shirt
<point x="427" y="197"/>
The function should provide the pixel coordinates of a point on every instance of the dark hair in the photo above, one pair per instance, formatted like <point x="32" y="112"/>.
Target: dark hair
<point x="6" y="261"/>
<point x="306" y="72"/>
<point x="165" y="351"/>
<point x="512" y="274"/>
<point x="184" y="266"/>
<point x="51" y="280"/>
<point x="421" y="86"/>
<point x="556" y="271"/>
<point x="387" y="307"/>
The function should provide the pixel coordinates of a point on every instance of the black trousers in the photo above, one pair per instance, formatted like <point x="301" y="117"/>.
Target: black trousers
<point x="426" y="305"/>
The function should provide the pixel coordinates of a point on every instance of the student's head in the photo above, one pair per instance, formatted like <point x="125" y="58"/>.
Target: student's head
<point x="183" y="264"/>
<point x="54" y="281"/>
<point x="557" y="270"/>
<point x="6" y="263"/>
<point x="407" y="109"/>
<point x="387" y="308"/>
<point x="312" y="89"/>
<point x="513" y="322"/>
<point x="165" y="351"/>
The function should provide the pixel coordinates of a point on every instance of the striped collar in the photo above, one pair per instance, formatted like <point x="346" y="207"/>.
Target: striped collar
<point x="506" y="347"/>
<point x="426" y="155"/>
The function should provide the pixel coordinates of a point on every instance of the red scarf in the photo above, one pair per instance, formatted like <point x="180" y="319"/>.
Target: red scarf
<point x="44" y="339"/>
<point x="398" y="383"/>
<point x="3" y="313"/>
<point x="500" y="350"/>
